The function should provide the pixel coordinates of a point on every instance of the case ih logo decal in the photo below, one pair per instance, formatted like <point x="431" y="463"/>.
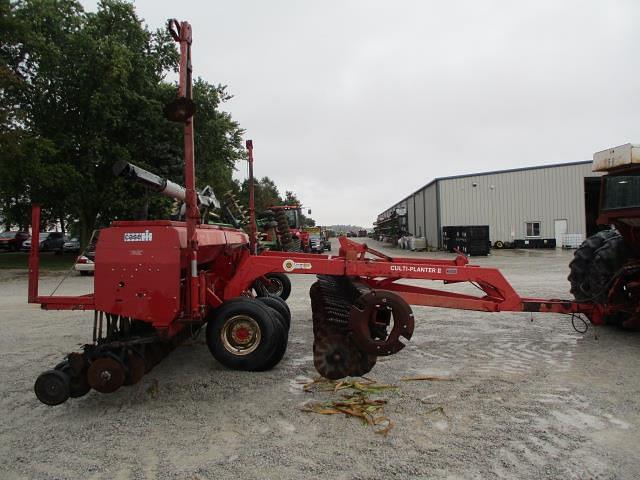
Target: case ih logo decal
<point x="145" y="236"/>
<point x="289" y="265"/>
<point x="405" y="268"/>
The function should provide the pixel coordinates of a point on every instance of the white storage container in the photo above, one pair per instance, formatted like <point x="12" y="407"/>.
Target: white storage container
<point x="626" y="154"/>
<point x="572" y="240"/>
<point x="419" y="243"/>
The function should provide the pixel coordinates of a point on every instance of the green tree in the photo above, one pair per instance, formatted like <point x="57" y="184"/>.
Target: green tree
<point x="218" y="138"/>
<point x="82" y="90"/>
<point x="265" y="193"/>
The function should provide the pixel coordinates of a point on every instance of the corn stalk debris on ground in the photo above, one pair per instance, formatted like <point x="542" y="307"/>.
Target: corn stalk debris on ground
<point x="354" y="401"/>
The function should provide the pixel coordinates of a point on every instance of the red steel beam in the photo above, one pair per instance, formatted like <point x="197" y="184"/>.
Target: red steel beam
<point x="253" y="244"/>
<point x="192" y="307"/>
<point x="34" y="254"/>
<point x="82" y="302"/>
<point x="498" y="296"/>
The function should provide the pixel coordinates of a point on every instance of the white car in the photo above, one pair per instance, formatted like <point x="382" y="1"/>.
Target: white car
<point x="84" y="265"/>
<point x="85" y="262"/>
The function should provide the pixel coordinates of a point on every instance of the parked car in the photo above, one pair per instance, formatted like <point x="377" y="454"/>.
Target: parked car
<point x="71" y="246"/>
<point x="316" y="244"/>
<point x="12" y="241"/>
<point x="85" y="263"/>
<point x="49" y="241"/>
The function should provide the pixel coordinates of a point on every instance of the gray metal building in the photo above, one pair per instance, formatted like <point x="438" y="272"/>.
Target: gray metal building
<point x="535" y="202"/>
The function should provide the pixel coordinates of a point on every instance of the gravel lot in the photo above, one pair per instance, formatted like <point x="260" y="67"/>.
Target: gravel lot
<point x="528" y="400"/>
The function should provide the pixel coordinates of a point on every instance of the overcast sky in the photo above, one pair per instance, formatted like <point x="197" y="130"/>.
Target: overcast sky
<point x="355" y="104"/>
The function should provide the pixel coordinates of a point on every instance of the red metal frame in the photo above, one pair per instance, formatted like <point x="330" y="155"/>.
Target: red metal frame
<point x="82" y="302"/>
<point x="34" y="254"/>
<point x="381" y="271"/>
<point x="354" y="260"/>
<point x="193" y="308"/>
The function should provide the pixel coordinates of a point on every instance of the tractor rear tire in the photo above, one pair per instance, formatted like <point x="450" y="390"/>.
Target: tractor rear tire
<point x="294" y="246"/>
<point x="279" y="306"/>
<point x="594" y="267"/>
<point x="607" y="261"/>
<point x="243" y="334"/>
<point x="282" y="228"/>
<point x="581" y="267"/>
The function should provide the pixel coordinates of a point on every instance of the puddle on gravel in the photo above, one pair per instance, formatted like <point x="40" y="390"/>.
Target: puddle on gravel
<point x="430" y="372"/>
<point x="617" y="422"/>
<point x="441" y="425"/>
<point x="577" y="419"/>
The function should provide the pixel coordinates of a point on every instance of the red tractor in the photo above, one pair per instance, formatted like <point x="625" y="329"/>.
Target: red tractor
<point x="606" y="267"/>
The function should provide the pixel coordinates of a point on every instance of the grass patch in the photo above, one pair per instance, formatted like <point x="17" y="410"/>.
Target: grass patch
<point x="48" y="261"/>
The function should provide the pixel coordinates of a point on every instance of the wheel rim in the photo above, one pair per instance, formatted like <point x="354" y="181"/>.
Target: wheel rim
<point x="274" y="287"/>
<point x="240" y="335"/>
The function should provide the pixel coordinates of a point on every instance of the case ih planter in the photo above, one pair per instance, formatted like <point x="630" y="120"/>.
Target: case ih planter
<point x="158" y="282"/>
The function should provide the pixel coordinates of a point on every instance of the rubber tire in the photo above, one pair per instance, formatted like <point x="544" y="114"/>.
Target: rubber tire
<point x="608" y="260"/>
<point x="499" y="244"/>
<point x="272" y="334"/>
<point x="261" y="290"/>
<point x="279" y="306"/>
<point x="580" y="275"/>
<point x="601" y="257"/>
<point x="84" y="273"/>
<point x="78" y="384"/>
<point x="294" y="246"/>
<point x="63" y="384"/>
<point x="279" y="352"/>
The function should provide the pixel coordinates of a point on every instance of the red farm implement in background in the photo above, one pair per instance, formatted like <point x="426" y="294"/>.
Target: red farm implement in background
<point x="158" y="282"/>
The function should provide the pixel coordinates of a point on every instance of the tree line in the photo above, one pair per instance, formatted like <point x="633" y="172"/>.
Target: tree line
<point x="81" y="90"/>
